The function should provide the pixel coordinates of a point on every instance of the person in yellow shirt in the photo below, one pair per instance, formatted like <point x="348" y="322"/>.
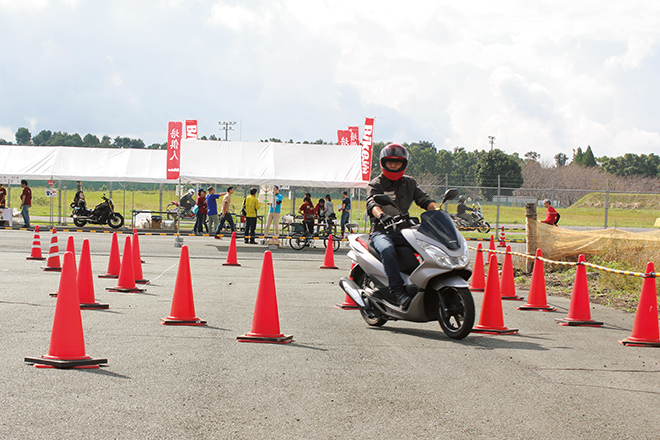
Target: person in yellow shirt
<point x="252" y="205"/>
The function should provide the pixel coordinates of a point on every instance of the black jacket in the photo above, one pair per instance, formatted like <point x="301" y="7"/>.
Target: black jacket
<point x="403" y="192"/>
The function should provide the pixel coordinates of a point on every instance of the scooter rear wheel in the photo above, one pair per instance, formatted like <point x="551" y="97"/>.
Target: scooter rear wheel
<point x="372" y="318"/>
<point x="456" y="311"/>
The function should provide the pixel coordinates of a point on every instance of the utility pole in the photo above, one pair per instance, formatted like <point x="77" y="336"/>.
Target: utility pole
<point x="227" y="126"/>
<point x="491" y="141"/>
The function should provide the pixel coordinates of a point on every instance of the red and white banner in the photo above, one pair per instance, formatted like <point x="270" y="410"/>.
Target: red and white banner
<point x="355" y="135"/>
<point x="344" y="137"/>
<point x="174" y="134"/>
<point x="367" y="143"/>
<point x="191" y="128"/>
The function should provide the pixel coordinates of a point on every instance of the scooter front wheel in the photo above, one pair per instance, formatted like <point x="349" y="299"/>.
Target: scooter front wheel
<point x="79" y="222"/>
<point x="484" y="227"/>
<point x="456" y="311"/>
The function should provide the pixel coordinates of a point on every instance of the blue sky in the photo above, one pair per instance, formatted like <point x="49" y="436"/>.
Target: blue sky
<point x="539" y="76"/>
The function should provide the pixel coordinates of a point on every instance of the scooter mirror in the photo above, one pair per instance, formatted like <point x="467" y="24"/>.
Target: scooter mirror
<point x="384" y="199"/>
<point x="450" y="194"/>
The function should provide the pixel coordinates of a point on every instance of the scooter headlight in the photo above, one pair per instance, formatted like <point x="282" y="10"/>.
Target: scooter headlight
<point x="445" y="261"/>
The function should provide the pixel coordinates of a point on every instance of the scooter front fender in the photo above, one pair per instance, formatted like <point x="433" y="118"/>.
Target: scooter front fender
<point x="456" y="281"/>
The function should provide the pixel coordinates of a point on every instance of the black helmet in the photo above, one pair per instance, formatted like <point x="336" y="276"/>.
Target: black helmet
<point x="394" y="152"/>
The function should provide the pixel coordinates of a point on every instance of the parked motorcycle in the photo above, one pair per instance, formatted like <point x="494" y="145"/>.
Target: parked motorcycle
<point x="434" y="267"/>
<point x="478" y="223"/>
<point x="103" y="213"/>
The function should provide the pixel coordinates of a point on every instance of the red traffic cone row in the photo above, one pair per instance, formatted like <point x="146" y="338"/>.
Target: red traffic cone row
<point x="507" y="283"/>
<point x="266" y="321"/>
<point x="137" y="260"/>
<point x="491" y="319"/>
<point x="579" y="312"/>
<point x="645" y="331"/>
<point x="537" y="299"/>
<point x="53" y="261"/>
<point x="183" y="307"/>
<point x="67" y="343"/>
<point x="232" y="259"/>
<point x="329" y="260"/>
<point x="85" y="280"/>
<point x="114" y="263"/>
<point x="35" y="253"/>
<point x="69" y="248"/>
<point x="126" y="281"/>
<point x="348" y="303"/>
<point x="478" y="279"/>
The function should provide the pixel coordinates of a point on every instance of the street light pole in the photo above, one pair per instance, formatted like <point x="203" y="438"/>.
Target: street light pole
<point x="227" y="126"/>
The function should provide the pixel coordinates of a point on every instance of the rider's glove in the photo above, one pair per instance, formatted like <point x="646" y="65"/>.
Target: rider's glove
<point x="386" y="220"/>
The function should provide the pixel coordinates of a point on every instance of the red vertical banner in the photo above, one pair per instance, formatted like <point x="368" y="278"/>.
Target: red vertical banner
<point x="355" y="135"/>
<point x="191" y="128"/>
<point x="367" y="143"/>
<point x="174" y="133"/>
<point x="344" y="137"/>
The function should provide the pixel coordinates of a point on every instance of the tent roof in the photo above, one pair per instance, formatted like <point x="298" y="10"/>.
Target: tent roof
<point x="249" y="163"/>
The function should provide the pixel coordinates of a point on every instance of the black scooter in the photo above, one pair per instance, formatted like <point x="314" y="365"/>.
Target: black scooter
<point x="103" y="213"/>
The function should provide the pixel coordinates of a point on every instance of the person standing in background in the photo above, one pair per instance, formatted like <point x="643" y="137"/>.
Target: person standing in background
<point x="212" y="208"/>
<point x="345" y="211"/>
<point x="252" y="206"/>
<point x="201" y="212"/>
<point x="274" y="214"/>
<point x="26" y="202"/>
<point x="3" y="196"/>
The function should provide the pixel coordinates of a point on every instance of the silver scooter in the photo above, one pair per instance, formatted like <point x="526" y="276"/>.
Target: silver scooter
<point x="434" y="267"/>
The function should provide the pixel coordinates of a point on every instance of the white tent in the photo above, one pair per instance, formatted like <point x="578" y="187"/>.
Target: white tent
<point x="241" y="163"/>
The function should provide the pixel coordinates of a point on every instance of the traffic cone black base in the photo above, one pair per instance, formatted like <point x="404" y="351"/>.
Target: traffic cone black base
<point x="568" y="322"/>
<point x="91" y="306"/>
<point x="42" y="362"/>
<point x="166" y="321"/>
<point x="51" y="269"/>
<point x="540" y="309"/>
<point x="631" y="343"/>
<point x="284" y="339"/>
<point x="125" y="290"/>
<point x="490" y="331"/>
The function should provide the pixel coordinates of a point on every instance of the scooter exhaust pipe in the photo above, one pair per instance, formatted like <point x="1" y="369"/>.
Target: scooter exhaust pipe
<point x="352" y="290"/>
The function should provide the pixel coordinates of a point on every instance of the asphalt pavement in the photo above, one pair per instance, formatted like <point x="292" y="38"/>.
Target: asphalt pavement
<point x="338" y="379"/>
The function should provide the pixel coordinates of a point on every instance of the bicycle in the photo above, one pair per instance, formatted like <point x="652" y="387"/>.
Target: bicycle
<point x="300" y="240"/>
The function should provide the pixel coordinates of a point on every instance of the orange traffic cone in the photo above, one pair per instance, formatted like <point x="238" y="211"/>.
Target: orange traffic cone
<point x="579" y="312"/>
<point x="137" y="260"/>
<point x="35" y="253"/>
<point x="266" y="322"/>
<point x="126" y="281"/>
<point x="537" y="296"/>
<point x="508" y="284"/>
<point x="491" y="246"/>
<point x="69" y="248"/>
<point x="329" y="261"/>
<point x="348" y="303"/>
<point x="491" y="319"/>
<point x="232" y="260"/>
<point x="114" y="263"/>
<point x="67" y="343"/>
<point x="183" y="307"/>
<point x="502" y="242"/>
<point x="85" y="280"/>
<point x="478" y="280"/>
<point x="645" y="331"/>
<point x="53" y="262"/>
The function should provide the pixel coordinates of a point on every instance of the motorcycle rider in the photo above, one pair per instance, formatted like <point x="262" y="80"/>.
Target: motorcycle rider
<point x="461" y="210"/>
<point x="403" y="190"/>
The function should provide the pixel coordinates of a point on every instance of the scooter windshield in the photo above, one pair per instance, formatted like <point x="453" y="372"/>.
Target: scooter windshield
<point x="439" y="226"/>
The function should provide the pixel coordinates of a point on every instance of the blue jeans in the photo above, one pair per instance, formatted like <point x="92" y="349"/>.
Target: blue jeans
<point x="385" y="243"/>
<point x="25" y="212"/>
<point x="345" y="216"/>
<point x="199" y="223"/>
